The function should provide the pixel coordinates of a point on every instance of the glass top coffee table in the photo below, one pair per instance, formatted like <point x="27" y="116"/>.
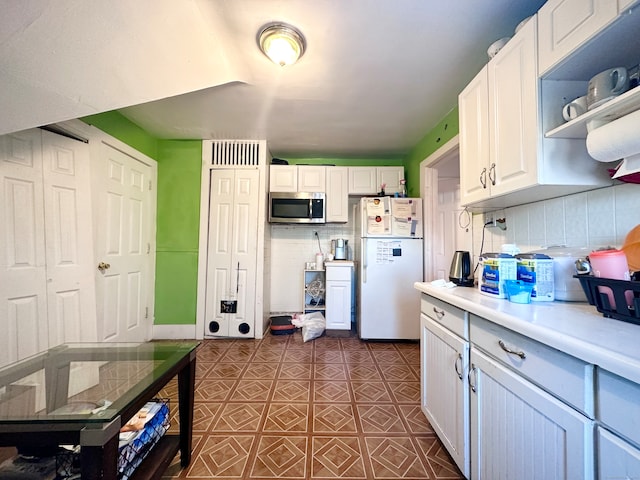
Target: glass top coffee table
<point x="82" y="394"/>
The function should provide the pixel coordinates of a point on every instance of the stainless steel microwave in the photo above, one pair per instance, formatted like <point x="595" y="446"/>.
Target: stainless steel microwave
<point x="297" y="207"/>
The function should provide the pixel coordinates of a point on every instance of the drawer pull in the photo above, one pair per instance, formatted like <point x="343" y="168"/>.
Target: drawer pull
<point x="512" y="352"/>
<point x="472" y="370"/>
<point x="439" y="313"/>
<point x="455" y="365"/>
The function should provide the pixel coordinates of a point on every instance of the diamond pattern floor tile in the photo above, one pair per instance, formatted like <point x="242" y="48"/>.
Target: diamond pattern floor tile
<point x="324" y="409"/>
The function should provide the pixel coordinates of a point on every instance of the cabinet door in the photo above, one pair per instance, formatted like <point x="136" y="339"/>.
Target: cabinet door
<point x="445" y="393"/>
<point x="567" y="24"/>
<point x="391" y="177"/>
<point x="337" y="194"/>
<point x="616" y="458"/>
<point x="283" y="178"/>
<point x="338" y="305"/>
<point x="513" y="113"/>
<point x="312" y="178"/>
<point x="363" y="181"/>
<point x="473" y="108"/>
<point x="519" y="431"/>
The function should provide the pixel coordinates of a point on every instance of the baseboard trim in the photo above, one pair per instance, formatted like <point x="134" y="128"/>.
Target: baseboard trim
<point x="174" y="332"/>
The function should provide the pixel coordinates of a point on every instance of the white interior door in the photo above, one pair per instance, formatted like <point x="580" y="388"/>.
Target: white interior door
<point x="124" y="227"/>
<point x="69" y="244"/>
<point x="23" y="304"/>
<point x="232" y="253"/>
<point x="453" y="226"/>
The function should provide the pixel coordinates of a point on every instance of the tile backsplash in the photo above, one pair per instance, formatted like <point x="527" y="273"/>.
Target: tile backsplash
<point x="594" y="219"/>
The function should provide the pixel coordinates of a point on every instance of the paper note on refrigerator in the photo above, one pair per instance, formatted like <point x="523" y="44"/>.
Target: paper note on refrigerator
<point x="377" y="206"/>
<point x="403" y="208"/>
<point x="378" y="225"/>
<point x="404" y="227"/>
<point x="386" y="250"/>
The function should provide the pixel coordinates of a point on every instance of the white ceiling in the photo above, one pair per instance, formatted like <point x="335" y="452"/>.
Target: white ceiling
<point x="376" y="77"/>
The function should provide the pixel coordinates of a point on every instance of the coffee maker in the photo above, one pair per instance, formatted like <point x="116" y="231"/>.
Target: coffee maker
<point x="341" y="249"/>
<point x="460" y="271"/>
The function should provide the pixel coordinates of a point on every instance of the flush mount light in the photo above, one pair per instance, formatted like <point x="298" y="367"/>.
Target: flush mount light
<point x="282" y="43"/>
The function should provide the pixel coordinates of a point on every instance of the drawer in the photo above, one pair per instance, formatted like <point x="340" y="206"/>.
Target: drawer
<point x="338" y="272"/>
<point x="453" y="318"/>
<point x="562" y="375"/>
<point x="618" y="406"/>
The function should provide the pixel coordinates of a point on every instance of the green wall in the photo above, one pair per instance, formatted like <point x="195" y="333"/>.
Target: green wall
<point x="179" y="171"/>
<point x="438" y="136"/>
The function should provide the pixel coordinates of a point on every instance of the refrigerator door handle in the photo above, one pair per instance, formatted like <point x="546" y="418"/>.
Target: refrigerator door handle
<point x="364" y="260"/>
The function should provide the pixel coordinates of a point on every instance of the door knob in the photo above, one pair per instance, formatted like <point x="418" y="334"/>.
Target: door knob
<point x="103" y="266"/>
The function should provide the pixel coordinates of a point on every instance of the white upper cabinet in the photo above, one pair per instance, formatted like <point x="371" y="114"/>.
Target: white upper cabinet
<point x="363" y="181"/>
<point x="297" y="178"/>
<point x="369" y="180"/>
<point x="311" y="178"/>
<point x="564" y="25"/>
<point x="474" y="138"/>
<point x="337" y="194"/>
<point x="283" y="178"/>
<point x="513" y="104"/>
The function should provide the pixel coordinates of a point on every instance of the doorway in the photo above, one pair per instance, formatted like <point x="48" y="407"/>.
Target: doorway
<point x="448" y="225"/>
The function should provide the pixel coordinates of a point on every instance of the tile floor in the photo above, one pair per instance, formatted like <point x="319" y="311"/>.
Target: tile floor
<point x="328" y="408"/>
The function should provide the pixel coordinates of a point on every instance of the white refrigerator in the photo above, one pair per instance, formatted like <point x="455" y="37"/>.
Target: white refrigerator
<point x="389" y="256"/>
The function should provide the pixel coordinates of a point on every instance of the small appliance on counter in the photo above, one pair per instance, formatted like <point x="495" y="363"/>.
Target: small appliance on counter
<point x="341" y="249"/>
<point x="460" y="271"/>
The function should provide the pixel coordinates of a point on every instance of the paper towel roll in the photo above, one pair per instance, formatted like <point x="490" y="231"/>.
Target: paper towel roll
<point x="615" y="140"/>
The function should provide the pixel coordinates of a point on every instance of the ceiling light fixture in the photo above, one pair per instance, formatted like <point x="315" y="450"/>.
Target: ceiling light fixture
<point x="282" y="43"/>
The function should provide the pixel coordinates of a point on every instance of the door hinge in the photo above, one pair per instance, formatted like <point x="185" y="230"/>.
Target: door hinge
<point x="149" y="184"/>
<point x="148" y="248"/>
<point x="146" y="312"/>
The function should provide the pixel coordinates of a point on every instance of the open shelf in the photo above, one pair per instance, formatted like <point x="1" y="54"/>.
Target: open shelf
<point x="618" y="107"/>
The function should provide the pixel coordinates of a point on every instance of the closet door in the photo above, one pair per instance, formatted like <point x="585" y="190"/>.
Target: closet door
<point x="232" y="253"/>
<point x="69" y="243"/>
<point x="23" y="303"/>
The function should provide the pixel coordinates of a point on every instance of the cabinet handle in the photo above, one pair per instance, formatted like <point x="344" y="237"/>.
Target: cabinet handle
<point x="512" y="352"/>
<point x="492" y="168"/>
<point x="472" y="370"/>
<point x="455" y="365"/>
<point x="439" y="313"/>
<point x="483" y="178"/>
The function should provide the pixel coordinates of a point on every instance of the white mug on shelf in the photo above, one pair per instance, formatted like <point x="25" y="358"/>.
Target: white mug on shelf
<point x="575" y="108"/>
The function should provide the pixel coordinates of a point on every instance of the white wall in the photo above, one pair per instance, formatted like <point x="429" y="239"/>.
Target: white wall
<point x="291" y="247"/>
<point x="594" y="219"/>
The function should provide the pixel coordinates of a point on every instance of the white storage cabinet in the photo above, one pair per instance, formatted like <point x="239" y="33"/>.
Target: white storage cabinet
<point x="340" y="301"/>
<point x="444" y="360"/>
<point x="314" y="293"/>
<point x="337" y="197"/>
<point x="618" y="436"/>
<point x="368" y="180"/>
<point x="297" y="178"/>
<point x="518" y="429"/>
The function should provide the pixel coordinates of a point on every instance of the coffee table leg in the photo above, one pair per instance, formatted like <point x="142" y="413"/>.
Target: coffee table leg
<point x="186" y="383"/>
<point x="100" y="462"/>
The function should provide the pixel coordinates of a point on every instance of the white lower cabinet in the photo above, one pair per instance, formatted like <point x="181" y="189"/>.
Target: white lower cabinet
<point x="444" y="389"/>
<point x="618" y="459"/>
<point x="520" y="431"/>
<point x="339" y="304"/>
<point x="619" y="430"/>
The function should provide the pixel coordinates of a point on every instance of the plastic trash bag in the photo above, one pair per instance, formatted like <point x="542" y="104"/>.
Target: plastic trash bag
<point x="313" y="325"/>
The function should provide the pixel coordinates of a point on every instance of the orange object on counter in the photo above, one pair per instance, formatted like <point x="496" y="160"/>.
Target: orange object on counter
<point x="631" y="248"/>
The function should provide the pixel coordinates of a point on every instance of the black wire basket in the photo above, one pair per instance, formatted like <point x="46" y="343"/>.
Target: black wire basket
<point x="619" y="299"/>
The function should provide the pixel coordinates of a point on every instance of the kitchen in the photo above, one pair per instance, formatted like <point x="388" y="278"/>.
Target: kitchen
<point x="599" y="217"/>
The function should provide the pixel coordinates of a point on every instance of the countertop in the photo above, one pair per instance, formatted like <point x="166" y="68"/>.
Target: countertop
<point x="575" y="328"/>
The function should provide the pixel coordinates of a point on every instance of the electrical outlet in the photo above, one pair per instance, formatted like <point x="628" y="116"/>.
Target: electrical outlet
<point x="490" y="219"/>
